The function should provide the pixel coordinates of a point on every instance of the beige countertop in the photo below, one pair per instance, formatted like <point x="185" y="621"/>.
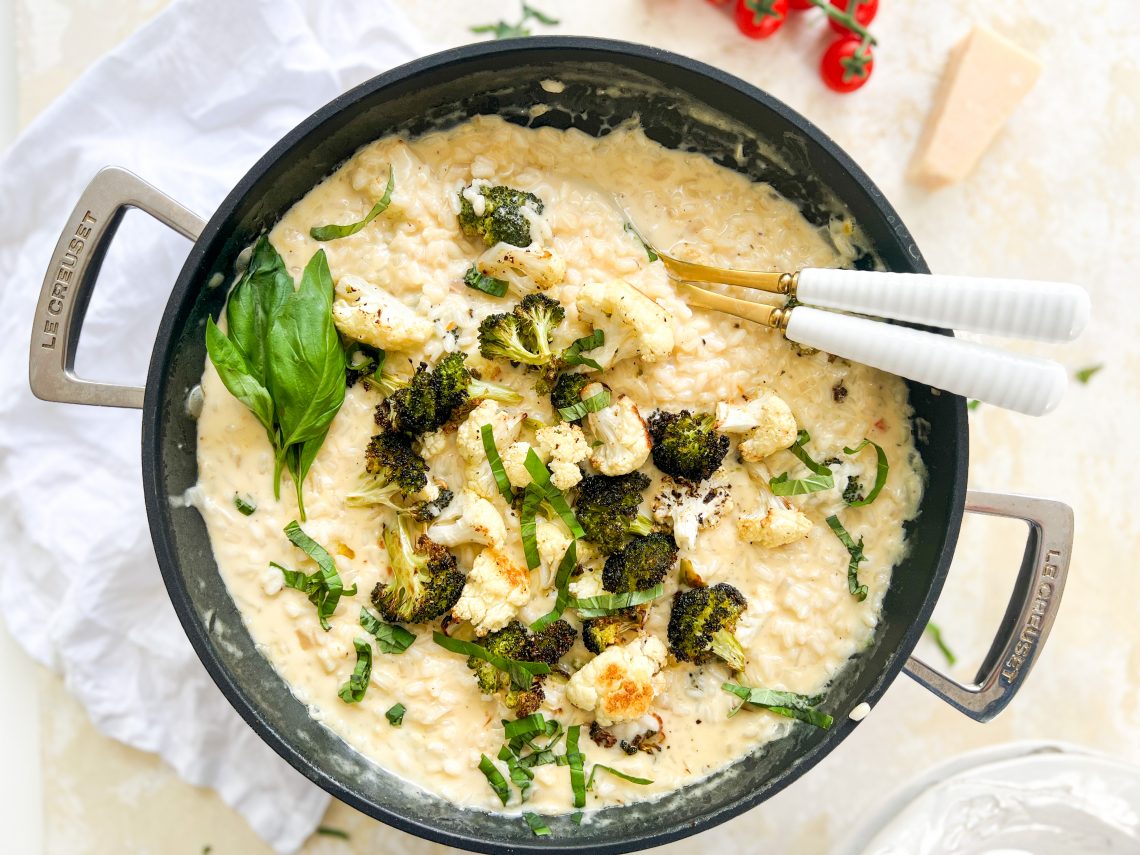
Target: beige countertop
<point x="1058" y="196"/>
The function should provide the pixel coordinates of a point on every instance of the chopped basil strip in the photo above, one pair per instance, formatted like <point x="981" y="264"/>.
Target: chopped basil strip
<point x="533" y="498"/>
<point x="521" y="776"/>
<point x="616" y="773"/>
<point x="353" y="691"/>
<point x="395" y="714"/>
<point x="787" y="704"/>
<point x="821" y="477"/>
<point x="495" y="778"/>
<point x="577" y="817"/>
<point x="540" y="828"/>
<point x="881" y="470"/>
<point x="328" y="831"/>
<point x="608" y="604"/>
<point x="577" y="762"/>
<point x="534" y="723"/>
<point x="1086" y="374"/>
<point x="858" y="591"/>
<point x="390" y="637"/>
<point x="497" y="468"/>
<point x="561" y="586"/>
<point x="650" y="254"/>
<point x="244" y="505"/>
<point x="522" y="674"/>
<point x="324" y="587"/>
<point x="597" y="401"/>
<point x="573" y="354"/>
<point x="541" y="476"/>
<point x="323" y="233"/>
<point x="973" y="404"/>
<point x="935" y="633"/>
<point x="482" y="282"/>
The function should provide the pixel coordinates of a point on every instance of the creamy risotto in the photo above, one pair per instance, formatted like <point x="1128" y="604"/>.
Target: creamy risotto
<point x="641" y="708"/>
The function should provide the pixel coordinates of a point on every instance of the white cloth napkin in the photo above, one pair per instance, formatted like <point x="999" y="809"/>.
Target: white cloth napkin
<point x="189" y="103"/>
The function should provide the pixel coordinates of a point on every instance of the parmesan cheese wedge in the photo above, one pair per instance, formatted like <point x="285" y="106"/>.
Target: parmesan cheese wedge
<point x="985" y="79"/>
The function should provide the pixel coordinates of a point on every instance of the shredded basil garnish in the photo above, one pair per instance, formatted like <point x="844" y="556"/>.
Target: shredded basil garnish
<point x="328" y="831"/>
<point x="608" y="604"/>
<point x="496" y="462"/>
<point x="522" y="674"/>
<point x="540" y="828"/>
<point x="395" y="714"/>
<point x="561" y="586"/>
<point x="973" y="404"/>
<point x="324" y="587"/>
<point x="577" y="817"/>
<point x="390" y="637"/>
<point x="245" y="506"/>
<point x="859" y="592"/>
<point x="935" y="633"/>
<point x="882" y="467"/>
<point x="788" y="704"/>
<point x="324" y="233"/>
<point x="1084" y="375"/>
<point x="573" y="354"/>
<point x="482" y="282"/>
<point x="521" y="776"/>
<point x="821" y="477"/>
<point x="649" y="253"/>
<point x="616" y="773"/>
<point x="597" y="401"/>
<point x="541" y="476"/>
<point x="353" y="691"/>
<point x="495" y="778"/>
<point x="577" y="762"/>
<point x="533" y="498"/>
<point x="533" y="723"/>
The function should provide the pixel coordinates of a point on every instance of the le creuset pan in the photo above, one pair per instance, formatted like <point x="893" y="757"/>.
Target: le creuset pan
<point x="681" y="104"/>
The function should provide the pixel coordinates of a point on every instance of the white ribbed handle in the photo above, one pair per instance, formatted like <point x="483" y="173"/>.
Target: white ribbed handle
<point x="1021" y="308"/>
<point x="1009" y="380"/>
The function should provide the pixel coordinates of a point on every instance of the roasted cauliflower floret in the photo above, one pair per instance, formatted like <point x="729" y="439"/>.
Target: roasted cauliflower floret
<point x="634" y="325"/>
<point x="776" y="525"/>
<point x="366" y="312"/>
<point x="519" y="265"/>
<point x="514" y="462"/>
<point x="622" y="432"/>
<point x="505" y="427"/>
<point x="766" y="422"/>
<point x="691" y="507"/>
<point x="477" y="522"/>
<point x="552" y="545"/>
<point x="496" y="589"/>
<point x="618" y="685"/>
<point x="562" y="447"/>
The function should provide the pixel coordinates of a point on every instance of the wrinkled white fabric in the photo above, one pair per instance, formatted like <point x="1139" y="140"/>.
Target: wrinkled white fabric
<point x="189" y="103"/>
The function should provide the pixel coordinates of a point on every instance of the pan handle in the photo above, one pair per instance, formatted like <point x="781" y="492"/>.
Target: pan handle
<point x="1028" y="617"/>
<point x="71" y="277"/>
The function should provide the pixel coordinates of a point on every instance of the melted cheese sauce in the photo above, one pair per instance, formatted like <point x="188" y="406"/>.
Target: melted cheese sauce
<point x="801" y="625"/>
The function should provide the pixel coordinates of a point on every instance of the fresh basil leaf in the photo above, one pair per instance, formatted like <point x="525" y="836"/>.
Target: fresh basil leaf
<point x="533" y="498"/>
<point x="821" y="477"/>
<point x="608" y="604"/>
<point x="536" y="823"/>
<point x="254" y="302"/>
<point x="859" y="592"/>
<point x="323" y="233"/>
<point x="299" y="460"/>
<point x="573" y="354"/>
<point x="597" y="401"/>
<point x="882" y="467"/>
<point x="617" y="773"/>
<point x="390" y="637"/>
<point x="561" y="586"/>
<point x="482" y="282"/>
<point x="395" y="714"/>
<point x="541" y="476"/>
<point x="353" y="691"/>
<point x="235" y="374"/>
<point x="495" y="778"/>
<point x="522" y="673"/>
<point x="787" y="704"/>
<point x="577" y="762"/>
<point x="533" y="723"/>
<point x="324" y="588"/>
<point x="245" y="506"/>
<point x="935" y="633"/>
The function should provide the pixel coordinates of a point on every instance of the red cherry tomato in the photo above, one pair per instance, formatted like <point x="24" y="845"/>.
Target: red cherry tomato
<point x="863" y="10"/>
<point x="800" y="5"/>
<point x="759" y="19"/>
<point x="846" y="65"/>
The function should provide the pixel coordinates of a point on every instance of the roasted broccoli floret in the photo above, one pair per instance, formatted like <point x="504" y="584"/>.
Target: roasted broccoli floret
<point x="552" y="643"/>
<point x="426" y="511"/>
<point x="513" y="642"/>
<point x="500" y="218"/>
<point x="607" y="507"/>
<point x="414" y="408"/>
<point x="425" y="581"/>
<point x="541" y="315"/>
<point x="703" y="624"/>
<point x="853" y="492"/>
<point x="456" y="386"/>
<point x="524" y="334"/>
<point x="686" y="445"/>
<point x="567" y="390"/>
<point x="640" y="564"/>
<point x="602" y="632"/>
<point x="366" y="364"/>
<point x="391" y="469"/>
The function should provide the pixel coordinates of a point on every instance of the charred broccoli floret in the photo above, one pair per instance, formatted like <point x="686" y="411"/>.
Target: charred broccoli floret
<point x="607" y="507"/>
<point x="514" y="642"/>
<point x="640" y="564"/>
<point x="602" y="632"/>
<point x="567" y="390"/>
<point x="414" y="408"/>
<point x="524" y="334"/>
<point x="426" y="511"/>
<point x="703" y="623"/>
<point x="456" y="386"/>
<point x="541" y="316"/>
<point x="501" y="219"/>
<point x="391" y="469"/>
<point x="552" y="643"/>
<point x="685" y="445"/>
<point x="425" y="581"/>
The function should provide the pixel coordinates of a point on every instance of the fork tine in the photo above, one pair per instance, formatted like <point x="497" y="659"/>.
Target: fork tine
<point x="774" y="283"/>
<point x="759" y="313"/>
